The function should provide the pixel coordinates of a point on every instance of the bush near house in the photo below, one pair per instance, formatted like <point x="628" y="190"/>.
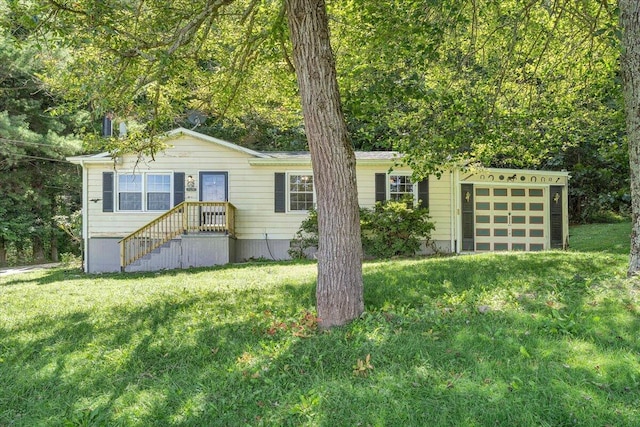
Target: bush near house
<point x="393" y="228"/>
<point x="305" y="241"/>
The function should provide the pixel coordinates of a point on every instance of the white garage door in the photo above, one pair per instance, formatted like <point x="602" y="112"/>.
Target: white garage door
<point x="510" y="219"/>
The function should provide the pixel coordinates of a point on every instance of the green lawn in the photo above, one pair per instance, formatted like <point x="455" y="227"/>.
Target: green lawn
<point x="612" y="238"/>
<point x="539" y="339"/>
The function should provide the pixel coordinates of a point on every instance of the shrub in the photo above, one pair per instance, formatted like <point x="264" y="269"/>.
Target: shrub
<point x="69" y="259"/>
<point x="607" y="217"/>
<point x="306" y="238"/>
<point x="393" y="228"/>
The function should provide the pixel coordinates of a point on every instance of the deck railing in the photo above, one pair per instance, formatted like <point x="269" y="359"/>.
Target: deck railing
<point x="187" y="217"/>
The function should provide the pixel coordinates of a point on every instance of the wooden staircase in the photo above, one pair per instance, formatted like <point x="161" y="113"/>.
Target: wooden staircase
<point x="187" y="217"/>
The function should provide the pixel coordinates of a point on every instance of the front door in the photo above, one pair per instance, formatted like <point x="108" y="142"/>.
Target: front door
<point x="213" y="188"/>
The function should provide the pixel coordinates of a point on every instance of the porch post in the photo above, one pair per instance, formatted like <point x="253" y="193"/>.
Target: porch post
<point x="185" y="217"/>
<point x="122" y="255"/>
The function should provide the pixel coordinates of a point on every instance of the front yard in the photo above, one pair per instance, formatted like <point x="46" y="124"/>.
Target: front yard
<point x="549" y="338"/>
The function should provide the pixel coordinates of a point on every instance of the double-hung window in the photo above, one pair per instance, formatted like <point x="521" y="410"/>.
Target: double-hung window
<point x="301" y="196"/>
<point x="158" y="192"/>
<point x="401" y="186"/>
<point x="144" y="192"/>
<point x="129" y="192"/>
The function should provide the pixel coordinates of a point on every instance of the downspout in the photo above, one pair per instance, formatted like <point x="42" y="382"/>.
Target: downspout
<point x="565" y="215"/>
<point x="85" y="216"/>
<point x="454" y="217"/>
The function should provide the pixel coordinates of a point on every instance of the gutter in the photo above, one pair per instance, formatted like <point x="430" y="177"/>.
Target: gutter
<point x="97" y="159"/>
<point x="85" y="216"/>
<point x="85" y="208"/>
<point x="275" y="161"/>
<point x="453" y="226"/>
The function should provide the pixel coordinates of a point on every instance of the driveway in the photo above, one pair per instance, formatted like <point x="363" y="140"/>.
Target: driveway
<point x="7" y="271"/>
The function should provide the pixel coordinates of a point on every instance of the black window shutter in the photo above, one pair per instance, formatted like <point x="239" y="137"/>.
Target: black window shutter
<point x="556" y="223"/>
<point x="107" y="191"/>
<point x="178" y="188"/>
<point x="423" y="193"/>
<point x="280" y="195"/>
<point x="468" y="239"/>
<point x="381" y="187"/>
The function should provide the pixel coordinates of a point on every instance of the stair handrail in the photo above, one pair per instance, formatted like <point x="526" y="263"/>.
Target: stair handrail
<point x="169" y="225"/>
<point x="152" y="235"/>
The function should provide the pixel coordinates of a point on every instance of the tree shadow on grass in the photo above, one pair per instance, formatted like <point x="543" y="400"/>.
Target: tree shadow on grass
<point x="424" y="362"/>
<point x="426" y="368"/>
<point x="416" y="283"/>
<point x="242" y="358"/>
<point x="64" y="274"/>
<point x="137" y="365"/>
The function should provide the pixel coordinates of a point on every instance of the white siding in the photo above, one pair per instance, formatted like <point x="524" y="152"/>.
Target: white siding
<point x="439" y="196"/>
<point x="440" y="206"/>
<point x="251" y="190"/>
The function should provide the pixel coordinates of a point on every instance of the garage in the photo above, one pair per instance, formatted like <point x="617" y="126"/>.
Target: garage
<point x="513" y="210"/>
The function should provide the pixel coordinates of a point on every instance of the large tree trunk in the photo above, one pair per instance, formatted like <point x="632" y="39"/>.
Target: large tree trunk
<point x="630" y="64"/>
<point x="53" y="250"/>
<point x="37" y="246"/>
<point x="3" y="252"/>
<point x="340" y="291"/>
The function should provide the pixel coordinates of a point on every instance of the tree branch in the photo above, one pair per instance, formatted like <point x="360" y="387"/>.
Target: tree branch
<point x="66" y="8"/>
<point x="185" y="34"/>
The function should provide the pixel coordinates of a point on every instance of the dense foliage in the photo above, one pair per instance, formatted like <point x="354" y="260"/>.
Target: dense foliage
<point x="393" y="228"/>
<point x="305" y="241"/>
<point x="506" y="84"/>
<point x="36" y="183"/>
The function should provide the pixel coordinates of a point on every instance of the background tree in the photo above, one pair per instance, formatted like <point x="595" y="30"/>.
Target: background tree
<point x="507" y="84"/>
<point x="630" y="64"/>
<point x="157" y="64"/>
<point x="36" y="183"/>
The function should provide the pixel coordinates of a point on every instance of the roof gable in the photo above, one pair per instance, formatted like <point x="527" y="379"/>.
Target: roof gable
<point x="173" y="135"/>
<point x="182" y="131"/>
<point x="257" y="157"/>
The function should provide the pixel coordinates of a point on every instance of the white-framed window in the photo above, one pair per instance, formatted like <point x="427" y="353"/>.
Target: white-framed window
<point x="129" y="192"/>
<point x="401" y="186"/>
<point x="158" y="192"/>
<point x="144" y="191"/>
<point x="301" y="196"/>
